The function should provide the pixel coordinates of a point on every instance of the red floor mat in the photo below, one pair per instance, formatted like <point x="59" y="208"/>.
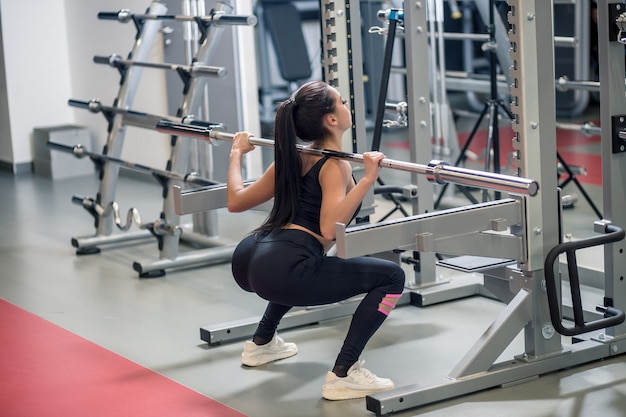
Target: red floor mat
<point x="48" y="371"/>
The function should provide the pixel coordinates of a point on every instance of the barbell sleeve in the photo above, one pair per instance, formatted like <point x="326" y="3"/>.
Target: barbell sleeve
<point x="230" y="19"/>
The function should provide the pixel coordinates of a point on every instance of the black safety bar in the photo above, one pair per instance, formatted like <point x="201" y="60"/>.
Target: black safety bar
<point x="612" y="315"/>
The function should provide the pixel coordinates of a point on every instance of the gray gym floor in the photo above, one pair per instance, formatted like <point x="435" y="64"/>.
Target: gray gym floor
<point x="156" y="322"/>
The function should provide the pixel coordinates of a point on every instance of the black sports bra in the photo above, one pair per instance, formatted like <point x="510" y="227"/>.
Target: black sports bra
<point x="311" y="199"/>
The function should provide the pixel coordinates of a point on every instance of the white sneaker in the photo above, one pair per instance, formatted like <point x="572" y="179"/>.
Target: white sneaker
<point x="359" y="383"/>
<point x="277" y="348"/>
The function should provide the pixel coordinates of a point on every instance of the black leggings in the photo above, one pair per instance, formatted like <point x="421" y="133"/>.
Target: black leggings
<point x="288" y="268"/>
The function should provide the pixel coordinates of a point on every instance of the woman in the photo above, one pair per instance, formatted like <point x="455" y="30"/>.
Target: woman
<point x="284" y="260"/>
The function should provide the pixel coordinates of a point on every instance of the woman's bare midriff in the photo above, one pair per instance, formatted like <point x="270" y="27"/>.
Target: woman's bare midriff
<point x="326" y="244"/>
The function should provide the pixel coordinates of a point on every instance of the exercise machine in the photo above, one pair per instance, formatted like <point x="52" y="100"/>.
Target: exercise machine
<point x="532" y="288"/>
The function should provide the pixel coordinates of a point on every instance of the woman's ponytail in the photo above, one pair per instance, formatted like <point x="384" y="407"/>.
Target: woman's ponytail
<point x="301" y="117"/>
<point x="288" y="168"/>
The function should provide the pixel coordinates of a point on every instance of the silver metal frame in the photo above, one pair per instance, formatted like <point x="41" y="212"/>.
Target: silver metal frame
<point x="478" y="230"/>
<point x="204" y="228"/>
<point x="205" y="224"/>
<point x="115" y="139"/>
<point x="612" y="106"/>
<point x="545" y="351"/>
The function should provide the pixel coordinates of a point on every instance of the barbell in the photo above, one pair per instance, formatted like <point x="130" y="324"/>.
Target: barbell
<point x="195" y="69"/>
<point x="216" y="17"/>
<point x="436" y="171"/>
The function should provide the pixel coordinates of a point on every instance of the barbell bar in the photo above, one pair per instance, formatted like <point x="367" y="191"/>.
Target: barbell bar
<point x="125" y="16"/>
<point x="131" y="117"/>
<point x="436" y="171"/>
<point x="79" y="151"/>
<point x="194" y="69"/>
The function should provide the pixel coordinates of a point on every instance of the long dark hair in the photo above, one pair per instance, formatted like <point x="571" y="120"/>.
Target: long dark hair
<point x="299" y="117"/>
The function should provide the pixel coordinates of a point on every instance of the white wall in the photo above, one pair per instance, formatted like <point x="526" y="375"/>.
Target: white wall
<point x="36" y="73"/>
<point x="6" y="148"/>
<point x="48" y="47"/>
<point x="89" y="36"/>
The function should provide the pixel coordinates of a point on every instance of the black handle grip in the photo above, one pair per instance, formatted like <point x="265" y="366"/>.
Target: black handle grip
<point x="618" y="315"/>
<point x="108" y="15"/>
<point x="612" y="316"/>
<point x="78" y="103"/>
<point x="100" y="59"/>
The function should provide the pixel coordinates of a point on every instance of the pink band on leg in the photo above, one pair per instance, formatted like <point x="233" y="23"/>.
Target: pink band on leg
<point x="393" y="295"/>
<point x="388" y="303"/>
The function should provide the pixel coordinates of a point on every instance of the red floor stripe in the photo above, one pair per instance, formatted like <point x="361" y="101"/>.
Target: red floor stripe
<point x="48" y="371"/>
